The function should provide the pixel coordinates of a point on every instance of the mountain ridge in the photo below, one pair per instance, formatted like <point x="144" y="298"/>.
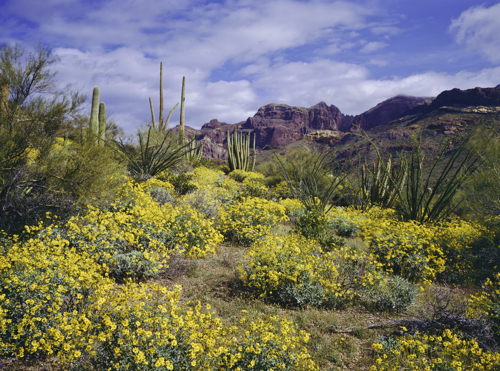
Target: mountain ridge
<point x="278" y="125"/>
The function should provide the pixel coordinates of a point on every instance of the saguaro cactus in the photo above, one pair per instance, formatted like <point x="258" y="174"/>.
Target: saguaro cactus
<point x="162" y="126"/>
<point x="94" y="116"/>
<point x="239" y="151"/>
<point x="97" y="126"/>
<point x="182" y="137"/>
<point x="160" y="119"/>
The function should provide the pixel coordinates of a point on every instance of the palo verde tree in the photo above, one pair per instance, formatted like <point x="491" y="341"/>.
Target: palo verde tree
<point x="34" y="114"/>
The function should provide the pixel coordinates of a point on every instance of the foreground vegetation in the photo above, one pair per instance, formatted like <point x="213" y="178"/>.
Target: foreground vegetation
<point x="139" y="257"/>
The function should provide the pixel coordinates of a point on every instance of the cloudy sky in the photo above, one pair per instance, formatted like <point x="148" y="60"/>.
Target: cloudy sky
<point x="238" y="55"/>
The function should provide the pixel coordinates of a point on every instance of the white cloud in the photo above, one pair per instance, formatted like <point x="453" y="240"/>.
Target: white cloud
<point x="478" y="28"/>
<point x="350" y="88"/>
<point x="373" y="46"/>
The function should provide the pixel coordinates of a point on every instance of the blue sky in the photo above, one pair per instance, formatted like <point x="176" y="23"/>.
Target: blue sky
<point x="238" y="55"/>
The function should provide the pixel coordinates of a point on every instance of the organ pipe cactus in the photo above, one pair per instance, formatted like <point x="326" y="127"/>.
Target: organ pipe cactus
<point x="376" y="185"/>
<point x="195" y="152"/>
<point x="239" y="151"/>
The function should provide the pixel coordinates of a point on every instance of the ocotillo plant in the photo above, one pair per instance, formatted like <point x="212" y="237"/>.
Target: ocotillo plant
<point x="238" y="149"/>
<point x="376" y="185"/>
<point x="424" y="199"/>
<point x="161" y="125"/>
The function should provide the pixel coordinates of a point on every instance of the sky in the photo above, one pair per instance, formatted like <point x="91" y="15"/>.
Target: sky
<point x="238" y="55"/>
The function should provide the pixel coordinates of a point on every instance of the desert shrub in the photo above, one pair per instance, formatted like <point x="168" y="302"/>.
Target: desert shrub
<point x="422" y="251"/>
<point x="250" y="220"/>
<point x="144" y="326"/>
<point x="486" y="304"/>
<point x="206" y="179"/>
<point x="443" y="351"/>
<point x="343" y="226"/>
<point x="296" y="271"/>
<point x="315" y="224"/>
<point x="393" y="294"/>
<point x="270" y="343"/>
<point x="182" y="183"/>
<point x="134" y="265"/>
<point x="254" y="187"/>
<point x="241" y="175"/>
<point x="161" y="191"/>
<point x="227" y="191"/>
<point x="281" y="191"/>
<point x="194" y="235"/>
<point x="463" y="243"/>
<point x="45" y="297"/>
<point x="204" y="202"/>
<point x="407" y="249"/>
<point x="294" y="208"/>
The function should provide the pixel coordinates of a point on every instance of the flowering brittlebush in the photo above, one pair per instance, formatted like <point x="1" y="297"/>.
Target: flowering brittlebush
<point x="282" y="263"/>
<point x="444" y="351"/>
<point x="251" y="219"/>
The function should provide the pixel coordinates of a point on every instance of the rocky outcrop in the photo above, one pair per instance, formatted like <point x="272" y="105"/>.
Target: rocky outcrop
<point x="325" y="136"/>
<point x="471" y="97"/>
<point x="213" y="150"/>
<point x="388" y="110"/>
<point x="277" y="125"/>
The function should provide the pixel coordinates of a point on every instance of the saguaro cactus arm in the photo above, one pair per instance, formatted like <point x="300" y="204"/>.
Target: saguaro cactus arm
<point x="152" y="113"/>
<point x="102" y="123"/>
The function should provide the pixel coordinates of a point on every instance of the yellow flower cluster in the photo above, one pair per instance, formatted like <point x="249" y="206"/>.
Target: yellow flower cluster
<point x="281" y="191"/>
<point x="278" y="262"/>
<point x="54" y="301"/>
<point x="412" y="250"/>
<point x="205" y="178"/>
<point x="293" y="207"/>
<point x="241" y="175"/>
<point x="250" y="220"/>
<point x="45" y="298"/>
<point x="446" y="351"/>
<point x="481" y="303"/>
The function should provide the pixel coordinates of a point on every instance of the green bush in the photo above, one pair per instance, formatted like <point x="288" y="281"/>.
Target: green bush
<point x="182" y="183"/>
<point x="314" y="224"/>
<point x="394" y="295"/>
<point x="134" y="265"/>
<point x="344" y="227"/>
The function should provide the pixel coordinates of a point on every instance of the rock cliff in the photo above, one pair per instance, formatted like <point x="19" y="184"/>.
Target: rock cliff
<point x="277" y="125"/>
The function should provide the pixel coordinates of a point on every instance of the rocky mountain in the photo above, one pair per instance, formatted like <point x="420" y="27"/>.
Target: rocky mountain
<point x="278" y="125"/>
